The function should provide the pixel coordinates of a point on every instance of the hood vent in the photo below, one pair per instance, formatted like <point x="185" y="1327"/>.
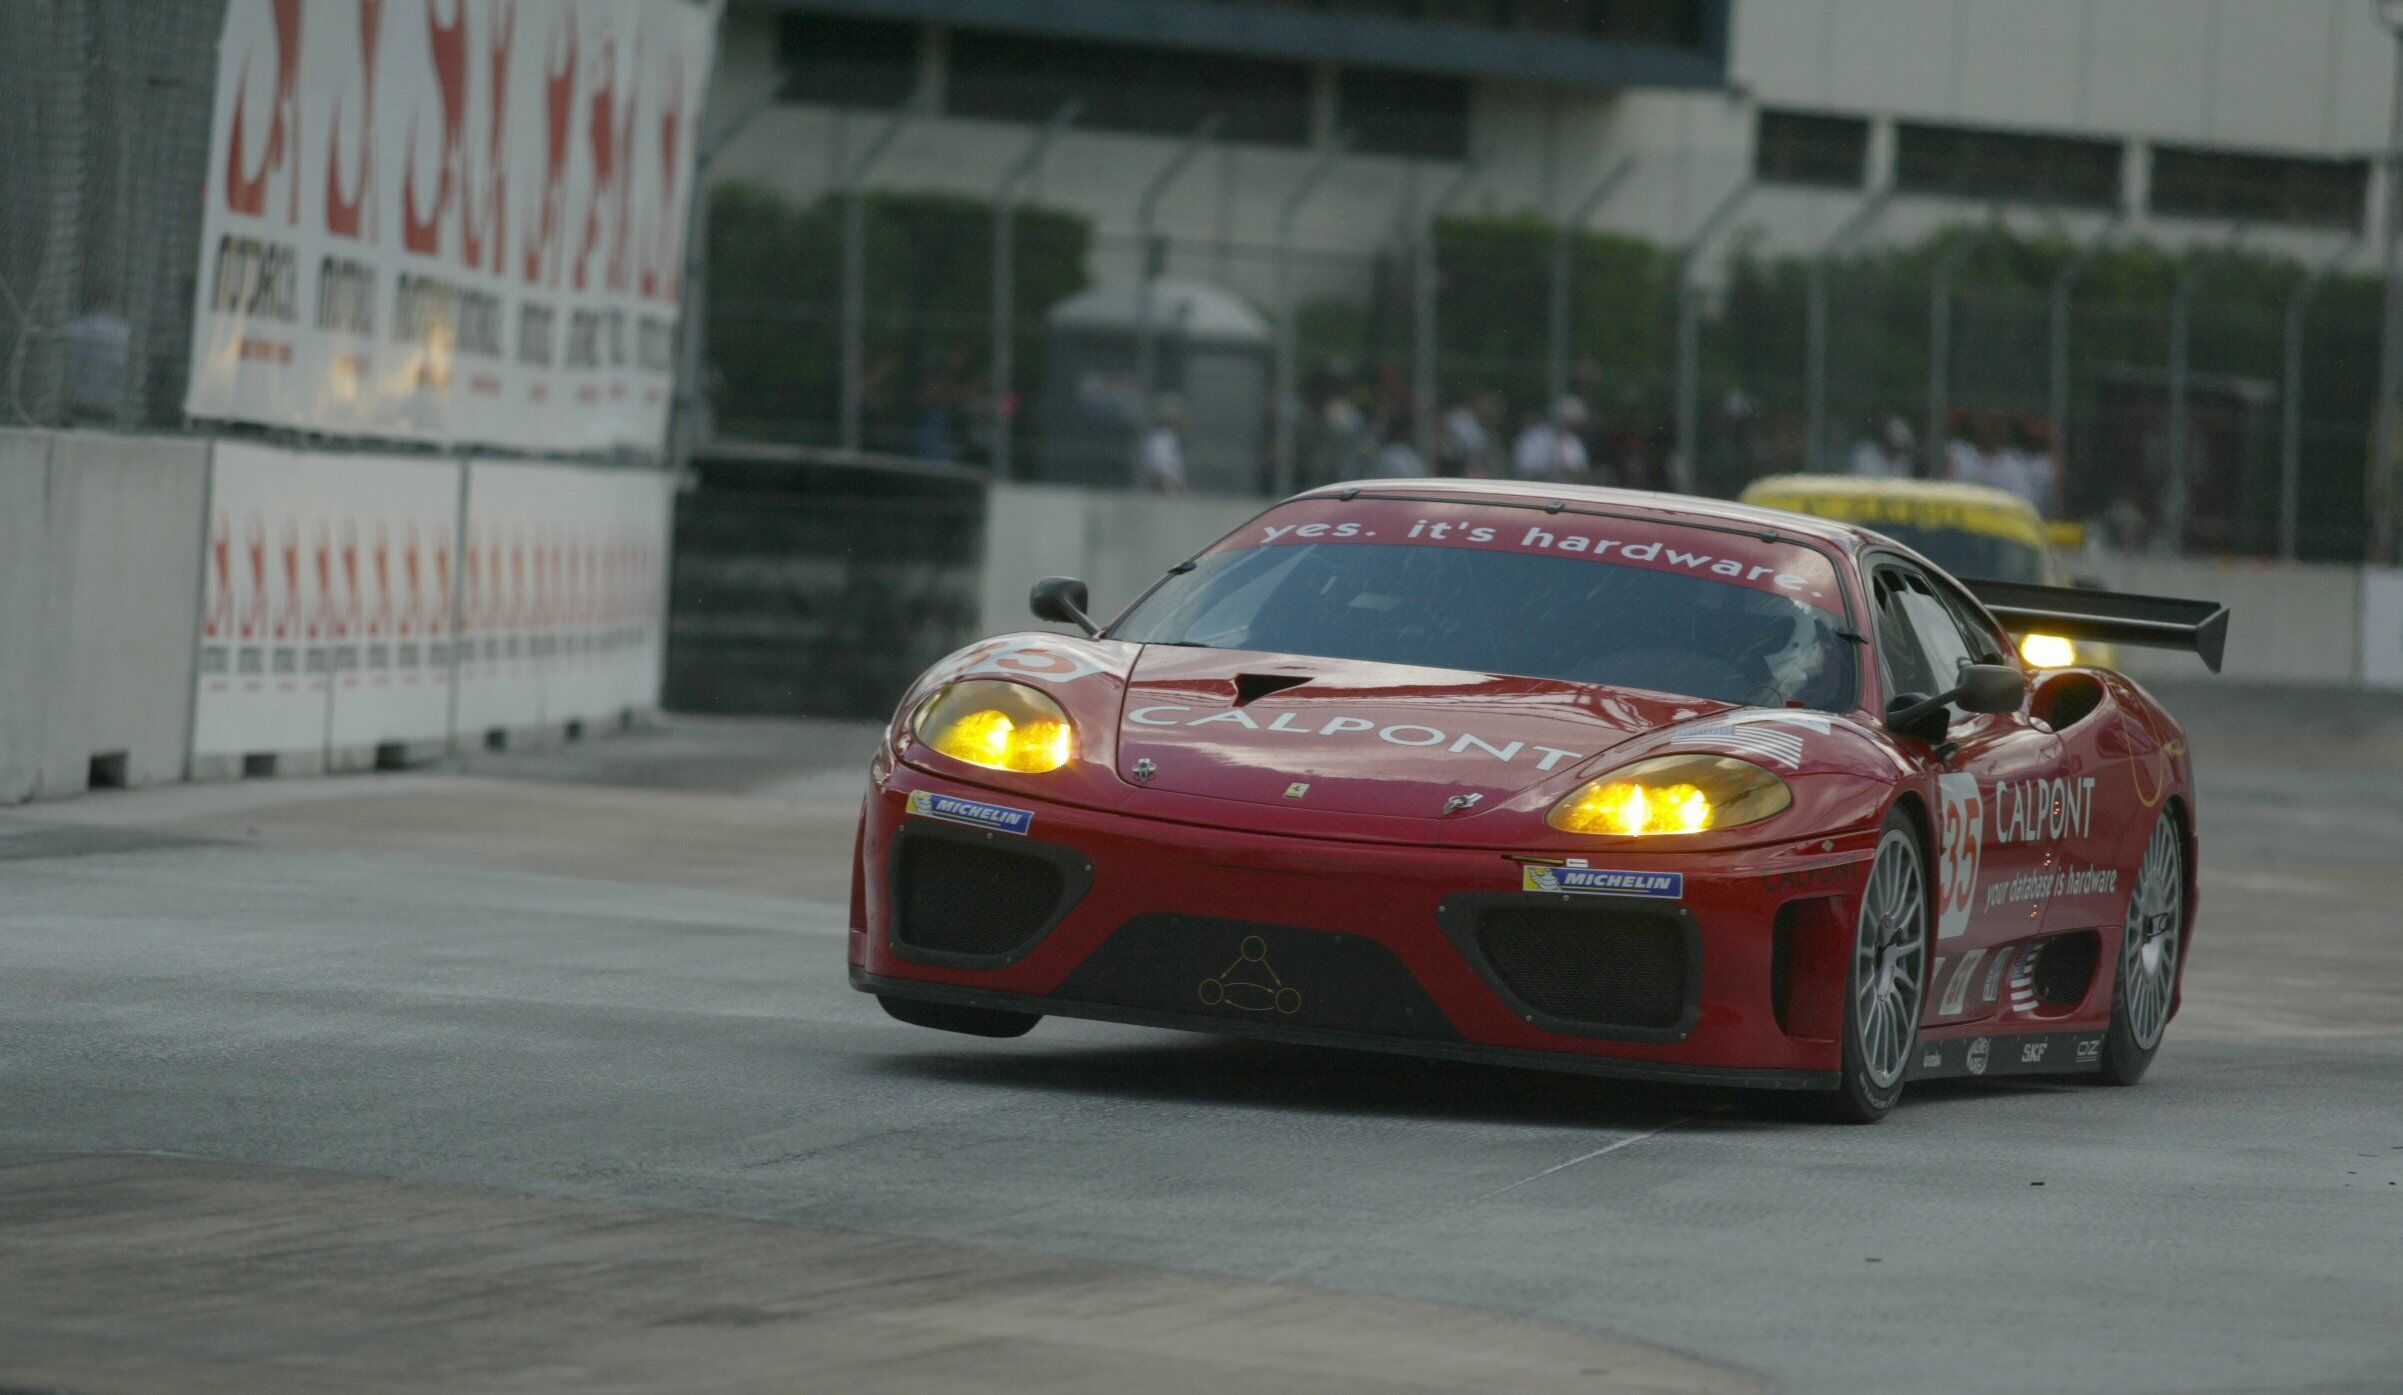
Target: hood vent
<point x="1251" y="687"/>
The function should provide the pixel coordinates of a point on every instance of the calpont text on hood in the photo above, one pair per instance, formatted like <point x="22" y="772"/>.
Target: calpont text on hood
<point x="1393" y="733"/>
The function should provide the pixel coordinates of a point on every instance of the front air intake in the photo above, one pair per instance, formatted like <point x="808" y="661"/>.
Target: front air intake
<point x="1605" y="969"/>
<point x="973" y="901"/>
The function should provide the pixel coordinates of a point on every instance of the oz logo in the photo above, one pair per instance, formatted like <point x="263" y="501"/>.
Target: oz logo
<point x="1959" y="841"/>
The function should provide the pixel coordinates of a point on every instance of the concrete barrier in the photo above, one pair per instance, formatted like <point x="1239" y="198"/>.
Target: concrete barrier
<point x="172" y="607"/>
<point x="100" y="550"/>
<point x="27" y="639"/>
<point x="1118" y="542"/>
<point x="2288" y="624"/>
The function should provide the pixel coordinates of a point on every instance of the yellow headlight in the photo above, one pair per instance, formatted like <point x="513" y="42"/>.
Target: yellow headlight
<point x="1000" y="726"/>
<point x="1673" y="794"/>
<point x="2048" y="651"/>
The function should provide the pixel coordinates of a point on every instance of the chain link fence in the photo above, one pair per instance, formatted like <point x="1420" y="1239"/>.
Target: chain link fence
<point x="1487" y="344"/>
<point x="101" y="179"/>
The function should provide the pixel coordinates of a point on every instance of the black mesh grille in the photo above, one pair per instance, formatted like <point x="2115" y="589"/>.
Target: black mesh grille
<point x="964" y="898"/>
<point x="1607" y="968"/>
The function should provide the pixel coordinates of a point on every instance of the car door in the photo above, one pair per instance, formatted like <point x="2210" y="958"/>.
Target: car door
<point x="1991" y="882"/>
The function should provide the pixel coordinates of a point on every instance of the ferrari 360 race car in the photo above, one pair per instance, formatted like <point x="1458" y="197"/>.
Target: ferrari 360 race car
<point x="1595" y="780"/>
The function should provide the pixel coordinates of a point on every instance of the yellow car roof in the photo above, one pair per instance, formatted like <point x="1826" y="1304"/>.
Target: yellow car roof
<point x="1973" y="508"/>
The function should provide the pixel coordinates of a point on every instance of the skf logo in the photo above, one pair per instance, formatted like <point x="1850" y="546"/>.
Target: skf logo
<point x="2033" y="1052"/>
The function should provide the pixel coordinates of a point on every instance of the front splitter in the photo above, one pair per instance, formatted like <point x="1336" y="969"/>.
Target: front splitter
<point x="1736" y="1077"/>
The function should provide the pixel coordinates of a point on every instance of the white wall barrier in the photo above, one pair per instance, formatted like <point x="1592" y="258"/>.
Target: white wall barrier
<point x="1118" y="542"/>
<point x="325" y="606"/>
<point x="172" y="607"/>
<point x="2287" y="624"/>
<point x="99" y="582"/>
<point x="2382" y="628"/>
<point x="562" y="594"/>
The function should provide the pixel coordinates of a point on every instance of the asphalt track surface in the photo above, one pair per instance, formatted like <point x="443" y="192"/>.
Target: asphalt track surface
<point x="544" y="1074"/>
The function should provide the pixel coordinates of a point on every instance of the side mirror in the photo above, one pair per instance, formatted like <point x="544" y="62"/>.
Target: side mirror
<point x="1063" y="601"/>
<point x="1982" y="688"/>
<point x="1990" y="688"/>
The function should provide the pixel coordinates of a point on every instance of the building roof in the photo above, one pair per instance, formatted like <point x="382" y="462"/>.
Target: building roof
<point x="1187" y="310"/>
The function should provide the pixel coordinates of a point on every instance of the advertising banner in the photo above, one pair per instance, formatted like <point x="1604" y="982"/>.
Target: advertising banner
<point x="326" y="601"/>
<point x="455" y="221"/>
<point x="563" y="592"/>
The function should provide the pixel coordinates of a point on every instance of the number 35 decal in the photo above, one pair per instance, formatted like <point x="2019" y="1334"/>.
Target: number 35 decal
<point x="1022" y="659"/>
<point x="1960" y="837"/>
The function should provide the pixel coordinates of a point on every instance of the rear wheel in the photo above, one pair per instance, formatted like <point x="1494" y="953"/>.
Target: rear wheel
<point x="953" y="1017"/>
<point x="1889" y="979"/>
<point x="2147" y="981"/>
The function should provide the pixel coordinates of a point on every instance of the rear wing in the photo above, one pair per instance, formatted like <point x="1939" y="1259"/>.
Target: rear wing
<point x="2109" y="617"/>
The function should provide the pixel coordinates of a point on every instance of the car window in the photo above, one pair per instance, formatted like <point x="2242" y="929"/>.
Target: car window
<point x="1483" y="610"/>
<point x="1961" y="552"/>
<point x="1916" y="638"/>
<point x="1985" y="644"/>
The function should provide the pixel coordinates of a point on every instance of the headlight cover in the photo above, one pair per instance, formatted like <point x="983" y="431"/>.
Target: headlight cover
<point x="1689" y="793"/>
<point x="998" y="725"/>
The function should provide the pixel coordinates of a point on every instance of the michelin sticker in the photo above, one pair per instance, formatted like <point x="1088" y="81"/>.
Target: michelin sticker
<point x="1595" y="881"/>
<point x="953" y="809"/>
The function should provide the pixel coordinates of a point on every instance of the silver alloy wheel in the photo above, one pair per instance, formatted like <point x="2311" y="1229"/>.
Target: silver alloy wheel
<point x="1889" y="968"/>
<point x="2148" y="954"/>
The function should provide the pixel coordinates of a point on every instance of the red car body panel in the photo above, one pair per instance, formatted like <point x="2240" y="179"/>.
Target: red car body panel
<point x="1300" y="803"/>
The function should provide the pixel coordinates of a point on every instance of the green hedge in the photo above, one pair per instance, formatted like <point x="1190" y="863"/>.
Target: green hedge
<point x="775" y="297"/>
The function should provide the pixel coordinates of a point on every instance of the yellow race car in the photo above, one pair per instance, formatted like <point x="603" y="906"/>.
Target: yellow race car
<point x="1969" y="530"/>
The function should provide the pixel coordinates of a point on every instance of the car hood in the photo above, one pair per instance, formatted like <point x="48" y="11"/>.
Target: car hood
<point x="1340" y="736"/>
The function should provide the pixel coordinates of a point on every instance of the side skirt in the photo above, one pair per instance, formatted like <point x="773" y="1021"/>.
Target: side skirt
<point x="1732" y="1076"/>
<point x="2008" y="1053"/>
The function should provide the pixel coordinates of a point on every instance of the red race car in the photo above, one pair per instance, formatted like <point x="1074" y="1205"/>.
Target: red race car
<point x="1584" y="779"/>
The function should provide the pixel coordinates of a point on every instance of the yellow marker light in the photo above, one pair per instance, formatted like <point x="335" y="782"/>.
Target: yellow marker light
<point x="2048" y="651"/>
<point x="997" y="725"/>
<point x="1670" y="795"/>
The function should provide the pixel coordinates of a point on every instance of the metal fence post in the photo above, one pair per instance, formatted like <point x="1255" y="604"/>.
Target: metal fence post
<point x="1564" y="238"/>
<point x="855" y="280"/>
<point x="1288" y="413"/>
<point x="2057" y="306"/>
<point x="1814" y="445"/>
<point x="1683" y="461"/>
<point x="1939" y="335"/>
<point x="1147" y="213"/>
<point x="693" y="311"/>
<point x="1005" y="286"/>
<point x="2290" y="425"/>
<point x="1424" y="347"/>
<point x="2171" y="537"/>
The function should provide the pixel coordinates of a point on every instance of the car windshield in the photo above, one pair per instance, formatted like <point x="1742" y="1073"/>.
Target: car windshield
<point x="1495" y="611"/>
<point x="1961" y="552"/>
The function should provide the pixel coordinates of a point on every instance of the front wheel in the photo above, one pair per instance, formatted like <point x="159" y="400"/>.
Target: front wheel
<point x="1888" y="984"/>
<point x="2146" y="983"/>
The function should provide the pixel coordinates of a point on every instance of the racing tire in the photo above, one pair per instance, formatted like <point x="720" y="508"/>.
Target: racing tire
<point x="953" y="1017"/>
<point x="2144" y="976"/>
<point x="1887" y="987"/>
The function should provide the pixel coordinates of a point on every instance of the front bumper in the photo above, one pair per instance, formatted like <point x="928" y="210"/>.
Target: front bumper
<point x="1366" y="945"/>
